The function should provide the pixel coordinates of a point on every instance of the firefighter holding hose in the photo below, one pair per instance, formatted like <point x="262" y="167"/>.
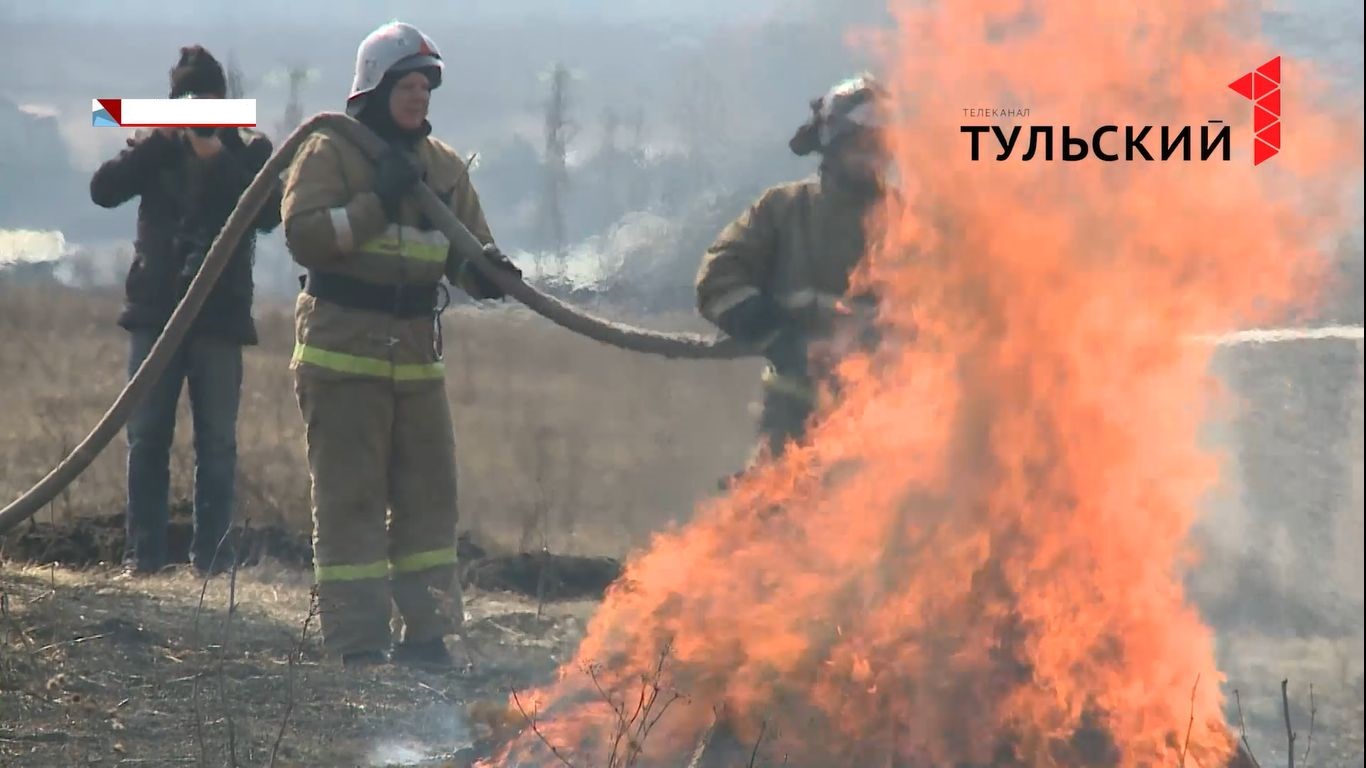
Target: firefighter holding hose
<point x="778" y="276"/>
<point x="367" y="362"/>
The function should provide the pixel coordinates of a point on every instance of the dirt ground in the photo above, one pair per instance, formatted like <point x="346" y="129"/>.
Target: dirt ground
<point x="100" y="670"/>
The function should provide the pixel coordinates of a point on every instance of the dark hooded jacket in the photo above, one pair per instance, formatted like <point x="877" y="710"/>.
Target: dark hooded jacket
<point x="184" y="202"/>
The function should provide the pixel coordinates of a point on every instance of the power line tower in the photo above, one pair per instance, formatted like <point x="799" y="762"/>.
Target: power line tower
<point x="236" y="81"/>
<point x="612" y="159"/>
<point x="559" y="132"/>
<point x="296" y="76"/>
<point x="637" y="189"/>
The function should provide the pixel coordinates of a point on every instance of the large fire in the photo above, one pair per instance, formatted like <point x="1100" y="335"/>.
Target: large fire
<point x="978" y="558"/>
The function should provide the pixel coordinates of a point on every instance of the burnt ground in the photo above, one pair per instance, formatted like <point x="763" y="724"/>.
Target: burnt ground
<point x="98" y="541"/>
<point x="102" y="670"/>
<point x="97" y="669"/>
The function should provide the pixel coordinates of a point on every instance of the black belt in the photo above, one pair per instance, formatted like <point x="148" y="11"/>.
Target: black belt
<point x="404" y="301"/>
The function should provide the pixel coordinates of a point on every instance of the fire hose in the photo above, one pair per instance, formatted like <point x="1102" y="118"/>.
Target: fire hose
<point x="687" y="346"/>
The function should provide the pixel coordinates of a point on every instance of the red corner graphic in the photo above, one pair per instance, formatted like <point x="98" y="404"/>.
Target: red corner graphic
<point x="114" y="107"/>
<point x="1272" y="70"/>
<point x="1262" y="86"/>
<point x="1272" y="135"/>
<point x="1243" y="86"/>
<point x="1261" y="118"/>
<point x="1261" y="152"/>
<point x="1271" y="102"/>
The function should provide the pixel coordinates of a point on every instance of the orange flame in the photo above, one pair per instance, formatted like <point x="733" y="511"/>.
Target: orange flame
<point x="979" y="551"/>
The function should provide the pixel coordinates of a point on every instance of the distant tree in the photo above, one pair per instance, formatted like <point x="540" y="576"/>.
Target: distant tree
<point x="236" y="81"/>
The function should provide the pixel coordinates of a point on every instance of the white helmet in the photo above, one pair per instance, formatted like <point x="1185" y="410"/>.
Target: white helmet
<point x="394" y="47"/>
<point x="858" y="103"/>
<point x="851" y="106"/>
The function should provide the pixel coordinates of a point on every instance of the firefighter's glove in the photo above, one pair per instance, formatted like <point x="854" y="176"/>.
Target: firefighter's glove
<point x="395" y="173"/>
<point x="488" y="289"/>
<point x="751" y="320"/>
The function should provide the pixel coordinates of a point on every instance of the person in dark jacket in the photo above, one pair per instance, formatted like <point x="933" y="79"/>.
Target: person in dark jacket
<point x="188" y="181"/>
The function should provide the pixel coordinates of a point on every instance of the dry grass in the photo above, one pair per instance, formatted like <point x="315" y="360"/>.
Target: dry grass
<point x="99" y="670"/>
<point x="604" y="445"/>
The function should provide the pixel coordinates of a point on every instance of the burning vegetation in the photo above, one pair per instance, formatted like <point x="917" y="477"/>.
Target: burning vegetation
<point x="978" y="558"/>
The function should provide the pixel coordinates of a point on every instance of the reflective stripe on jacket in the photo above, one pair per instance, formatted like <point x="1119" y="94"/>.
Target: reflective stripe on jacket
<point x="798" y="244"/>
<point x="334" y="222"/>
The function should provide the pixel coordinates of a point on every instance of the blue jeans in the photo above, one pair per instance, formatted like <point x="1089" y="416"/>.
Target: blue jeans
<point x="213" y="369"/>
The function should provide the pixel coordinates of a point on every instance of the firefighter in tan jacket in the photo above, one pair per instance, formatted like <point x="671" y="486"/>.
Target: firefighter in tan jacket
<point x="367" y="358"/>
<point x="778" y="276"/>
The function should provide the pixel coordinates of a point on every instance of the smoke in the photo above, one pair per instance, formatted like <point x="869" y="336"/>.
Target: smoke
<point x="439" y="724"/>
<point x="29" y="246"/>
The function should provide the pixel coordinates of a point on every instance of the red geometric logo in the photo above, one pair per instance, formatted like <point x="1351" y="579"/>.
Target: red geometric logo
<point x="1262" y="87"/>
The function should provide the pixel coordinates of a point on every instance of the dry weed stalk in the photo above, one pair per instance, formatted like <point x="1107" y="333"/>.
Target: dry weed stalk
<point x="196" y="701"/>
<point x="227" y="642"/>
<point x="631" y="730"/>
<point x="531" y="722"/>
<point x="636" y="728"/>
<point x="1291" y="735"/>
<point x="1313" y="714"/>
<point x="12" y="623"/>
<point x="295" y="656"/>
<point x="1289" y="731"/>
<point x="1185" y="746"/>
<point x="1242" y="730"/>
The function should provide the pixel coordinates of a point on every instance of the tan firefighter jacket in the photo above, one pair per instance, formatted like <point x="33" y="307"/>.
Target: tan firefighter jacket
<point x="798" y="244"/>
<point x="334" y="223"/>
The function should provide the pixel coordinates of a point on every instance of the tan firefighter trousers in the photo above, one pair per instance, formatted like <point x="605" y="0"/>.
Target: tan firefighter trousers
<point x="375" y="446"/>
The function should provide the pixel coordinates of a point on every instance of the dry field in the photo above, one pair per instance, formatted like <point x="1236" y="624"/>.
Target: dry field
<point x="584" y="449"/>
<point x="602" y="444"/>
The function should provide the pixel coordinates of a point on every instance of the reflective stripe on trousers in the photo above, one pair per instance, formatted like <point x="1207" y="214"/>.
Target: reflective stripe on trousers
<point x="418" y="561"/>
<point x="367" y="366"/>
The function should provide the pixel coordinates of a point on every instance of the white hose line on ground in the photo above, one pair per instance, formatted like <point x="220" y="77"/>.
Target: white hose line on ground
<point x="1277" y="335"/>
